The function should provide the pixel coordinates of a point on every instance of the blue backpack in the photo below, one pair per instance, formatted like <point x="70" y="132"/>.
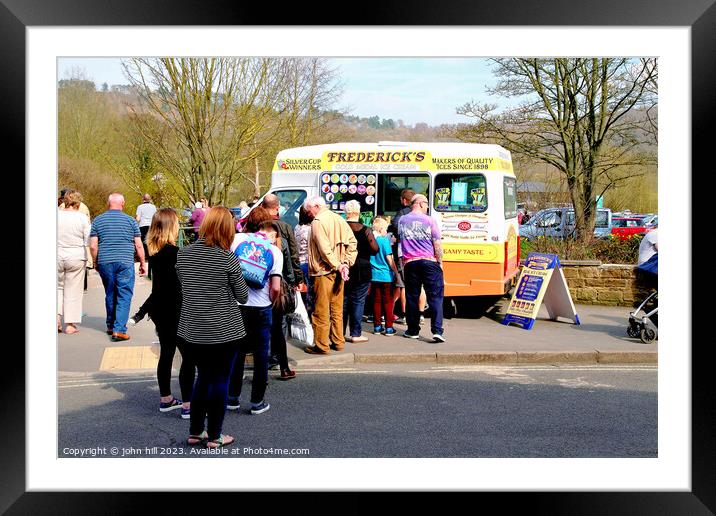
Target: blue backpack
<point x="256" y="260"/>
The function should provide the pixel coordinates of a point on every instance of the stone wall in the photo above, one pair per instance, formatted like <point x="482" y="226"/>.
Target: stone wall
<point x="600" y="284"/>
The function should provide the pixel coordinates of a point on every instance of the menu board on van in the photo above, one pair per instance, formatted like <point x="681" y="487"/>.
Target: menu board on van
<point x="338" y="189"/>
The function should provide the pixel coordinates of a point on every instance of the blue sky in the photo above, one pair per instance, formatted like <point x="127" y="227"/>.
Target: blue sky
<point x="411" y="89"/>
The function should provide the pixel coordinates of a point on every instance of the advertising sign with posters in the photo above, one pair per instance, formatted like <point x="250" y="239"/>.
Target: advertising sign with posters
<point x="541" y="281"/>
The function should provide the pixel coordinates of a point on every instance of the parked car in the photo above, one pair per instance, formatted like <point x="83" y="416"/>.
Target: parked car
<point x="559" y="223"/>
<point x="625" y="227"/>
<point x="650" y="220"/>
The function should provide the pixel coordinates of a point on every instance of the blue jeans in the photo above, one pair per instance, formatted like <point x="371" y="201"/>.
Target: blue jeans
<point x="258" y="337"/>
<point x="208" y="400"/>
<point x="427" y="274"/>
<point x="353" y="304"/>
<point x="118" y="281"/>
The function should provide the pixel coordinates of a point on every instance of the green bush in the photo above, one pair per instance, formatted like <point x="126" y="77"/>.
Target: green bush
<point x="610" y="250"/>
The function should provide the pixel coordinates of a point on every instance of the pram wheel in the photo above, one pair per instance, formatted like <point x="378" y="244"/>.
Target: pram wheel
<point x="647" y="335"/>
<point x="633" y="332"/>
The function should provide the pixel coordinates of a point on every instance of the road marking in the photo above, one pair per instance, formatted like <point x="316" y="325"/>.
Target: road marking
<point x="544" y="368"/>
<point x="580" y="382"/>
<point x="318" y="368"/>
<point x="97" y="384"/>
<point x="68" y="381"/>
<point x="355" y="371"/>
<point x="504" y="373"/>
<point x="491" y="370"/>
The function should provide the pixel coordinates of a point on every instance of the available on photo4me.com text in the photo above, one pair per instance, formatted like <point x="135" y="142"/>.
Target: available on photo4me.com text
<point x="115" y="451"/>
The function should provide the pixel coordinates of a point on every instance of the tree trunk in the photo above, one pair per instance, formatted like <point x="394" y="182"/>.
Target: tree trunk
<point x="257" y="176"/>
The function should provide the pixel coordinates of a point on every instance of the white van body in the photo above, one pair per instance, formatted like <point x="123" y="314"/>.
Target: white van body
<point x="471" y="187"/>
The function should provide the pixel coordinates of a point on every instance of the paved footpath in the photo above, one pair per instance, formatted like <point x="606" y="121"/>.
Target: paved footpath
<point x="600" y="339"/>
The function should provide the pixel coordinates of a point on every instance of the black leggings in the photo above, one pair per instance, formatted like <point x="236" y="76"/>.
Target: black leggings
<point x="168" y="344"/>
<point x="278" y="339"/>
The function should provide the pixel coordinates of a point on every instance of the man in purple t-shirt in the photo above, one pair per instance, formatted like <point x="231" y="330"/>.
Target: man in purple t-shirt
<point x="422" y="262"/>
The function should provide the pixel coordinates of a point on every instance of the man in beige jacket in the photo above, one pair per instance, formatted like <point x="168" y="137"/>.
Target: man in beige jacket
<point x="331" y="252"/>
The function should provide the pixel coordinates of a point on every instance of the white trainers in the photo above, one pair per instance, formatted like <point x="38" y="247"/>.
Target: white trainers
<point x="437" y="337"/>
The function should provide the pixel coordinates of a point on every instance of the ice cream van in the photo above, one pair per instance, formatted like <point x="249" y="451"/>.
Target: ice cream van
<point x="472" y="189"/>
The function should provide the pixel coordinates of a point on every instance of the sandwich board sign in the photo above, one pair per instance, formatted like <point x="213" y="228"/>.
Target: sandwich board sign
<point x="541" y="281"/>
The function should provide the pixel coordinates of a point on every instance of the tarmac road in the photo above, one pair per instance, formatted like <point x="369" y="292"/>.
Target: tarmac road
<point x="386" y="410"/>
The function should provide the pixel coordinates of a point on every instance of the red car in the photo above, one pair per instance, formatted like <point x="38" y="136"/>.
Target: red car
<point x="625" y="227"/>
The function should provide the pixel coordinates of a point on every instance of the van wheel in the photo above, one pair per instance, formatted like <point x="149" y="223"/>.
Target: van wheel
<point x="475" y="307"/>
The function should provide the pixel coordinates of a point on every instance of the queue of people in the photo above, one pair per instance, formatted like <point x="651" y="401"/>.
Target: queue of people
<point x="349" y="263"/>
<point x="223" y="296"/>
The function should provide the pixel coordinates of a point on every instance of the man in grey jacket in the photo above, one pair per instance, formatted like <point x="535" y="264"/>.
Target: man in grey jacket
<point x="279" y="326"/>
<point x="272" y="204"/>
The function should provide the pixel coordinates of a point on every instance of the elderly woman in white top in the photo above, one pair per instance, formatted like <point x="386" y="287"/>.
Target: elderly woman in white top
<point x="73" y="231"/>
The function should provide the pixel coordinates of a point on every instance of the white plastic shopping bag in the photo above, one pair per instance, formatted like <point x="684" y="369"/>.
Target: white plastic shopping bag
<point x="301" y="328"/>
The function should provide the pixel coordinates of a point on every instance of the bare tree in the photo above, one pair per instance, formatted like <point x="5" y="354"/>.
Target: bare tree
<point x="212" y="111"/>
<point x="579" y="115"/>
<point x="651" y="104"/>
<point x="312" y="90"/>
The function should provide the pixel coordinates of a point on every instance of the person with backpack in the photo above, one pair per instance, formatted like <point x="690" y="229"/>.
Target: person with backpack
<point x="261" y="265"/>
<point x="356" y="288"/>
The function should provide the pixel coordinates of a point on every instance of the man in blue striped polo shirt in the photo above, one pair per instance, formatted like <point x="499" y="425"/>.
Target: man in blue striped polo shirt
<point x="114" y="238"/>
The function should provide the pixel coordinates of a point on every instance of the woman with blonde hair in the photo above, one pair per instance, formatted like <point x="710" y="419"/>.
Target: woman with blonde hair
<point x="210" y="321"/>
<point x="163" y="307"/>
<point x="73" y="231"/>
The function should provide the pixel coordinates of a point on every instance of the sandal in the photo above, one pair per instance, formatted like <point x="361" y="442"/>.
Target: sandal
<point x="223" y="440"/>
<point x="196" y="439"/>
<point x="68" y="328"/>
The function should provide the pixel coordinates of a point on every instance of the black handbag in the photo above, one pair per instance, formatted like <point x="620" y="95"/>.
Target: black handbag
<point x="286" y="301"/>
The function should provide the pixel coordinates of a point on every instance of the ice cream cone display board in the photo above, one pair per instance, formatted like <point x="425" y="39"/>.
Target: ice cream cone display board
<point x="541" y="281"/>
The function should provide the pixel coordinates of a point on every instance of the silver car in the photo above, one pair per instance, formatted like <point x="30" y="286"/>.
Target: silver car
<point x="559" y="223"/>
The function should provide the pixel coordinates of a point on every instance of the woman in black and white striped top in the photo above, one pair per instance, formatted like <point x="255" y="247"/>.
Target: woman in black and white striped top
<point x="210" y="321"/>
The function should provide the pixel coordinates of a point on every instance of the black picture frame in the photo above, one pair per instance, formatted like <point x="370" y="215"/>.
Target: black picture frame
<point x="17" y="15"/>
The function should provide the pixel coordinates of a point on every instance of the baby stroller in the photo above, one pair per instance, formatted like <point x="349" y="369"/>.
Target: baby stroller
<point x="643" y="322"/>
